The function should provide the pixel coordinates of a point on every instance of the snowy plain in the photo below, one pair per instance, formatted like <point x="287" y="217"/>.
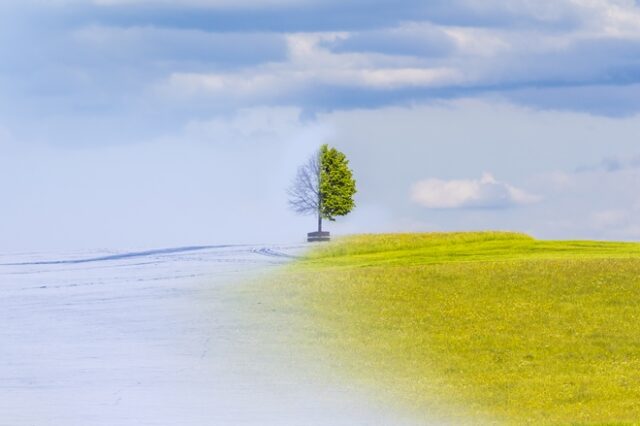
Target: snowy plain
<point x="145" y="338"/>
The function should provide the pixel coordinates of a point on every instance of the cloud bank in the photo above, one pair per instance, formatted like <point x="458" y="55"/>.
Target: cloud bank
<point x="485" y="192"/>
<point x="212" y="55"/>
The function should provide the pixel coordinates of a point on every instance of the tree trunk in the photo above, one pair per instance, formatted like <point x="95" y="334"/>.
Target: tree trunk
<point x="319" y="212"/>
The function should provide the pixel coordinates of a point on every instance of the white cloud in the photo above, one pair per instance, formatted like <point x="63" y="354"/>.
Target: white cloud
<point x="482" y="56"/>
<point x="276" y="80"/>
<point x="545" y="47"/>
<point x="479" y="41"/>
<point x="612" y="18"/>
<point x="485" y="192"/>
<point x="308" y="65"/>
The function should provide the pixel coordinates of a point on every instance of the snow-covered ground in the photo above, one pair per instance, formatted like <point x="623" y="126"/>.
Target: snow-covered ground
<point x="144" y="338"/>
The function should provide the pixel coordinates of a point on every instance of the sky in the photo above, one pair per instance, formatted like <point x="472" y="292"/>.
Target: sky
<point x="140" y="123"/>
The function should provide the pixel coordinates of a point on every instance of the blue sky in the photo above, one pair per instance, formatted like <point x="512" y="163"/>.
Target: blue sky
<point x="133" y="123"/>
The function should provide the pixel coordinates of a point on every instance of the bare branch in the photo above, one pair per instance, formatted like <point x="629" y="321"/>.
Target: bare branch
<point x="304" y="193"/>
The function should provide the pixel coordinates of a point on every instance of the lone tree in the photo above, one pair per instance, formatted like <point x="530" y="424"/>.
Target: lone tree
<point x="323" y="186"/>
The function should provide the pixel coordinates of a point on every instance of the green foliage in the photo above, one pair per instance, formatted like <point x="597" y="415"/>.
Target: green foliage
<point x="337" y="186"/>
<point x="474" y="328"/>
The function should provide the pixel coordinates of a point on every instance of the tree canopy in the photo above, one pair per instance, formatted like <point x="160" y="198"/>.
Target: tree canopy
<point x="324" y="186"/>
<point x="337" y="186"/>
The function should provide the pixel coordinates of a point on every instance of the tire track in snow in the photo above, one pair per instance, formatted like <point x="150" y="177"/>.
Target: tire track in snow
<point x="121" y="256"/>
<point x="265" y="251"/>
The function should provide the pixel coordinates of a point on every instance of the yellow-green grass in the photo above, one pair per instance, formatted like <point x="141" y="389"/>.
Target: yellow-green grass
<point x="475" y="327"/>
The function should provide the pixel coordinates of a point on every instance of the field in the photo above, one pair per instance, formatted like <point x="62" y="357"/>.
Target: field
<point x="495" y="328"/>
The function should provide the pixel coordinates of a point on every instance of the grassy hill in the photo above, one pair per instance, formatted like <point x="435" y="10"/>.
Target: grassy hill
<point x="476" y="327"/>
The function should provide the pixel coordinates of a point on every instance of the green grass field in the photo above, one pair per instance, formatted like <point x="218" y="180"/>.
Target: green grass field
<point x="474" y="327"/>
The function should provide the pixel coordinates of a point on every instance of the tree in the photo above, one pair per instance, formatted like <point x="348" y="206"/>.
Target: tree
<point x="324" y="186"/>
